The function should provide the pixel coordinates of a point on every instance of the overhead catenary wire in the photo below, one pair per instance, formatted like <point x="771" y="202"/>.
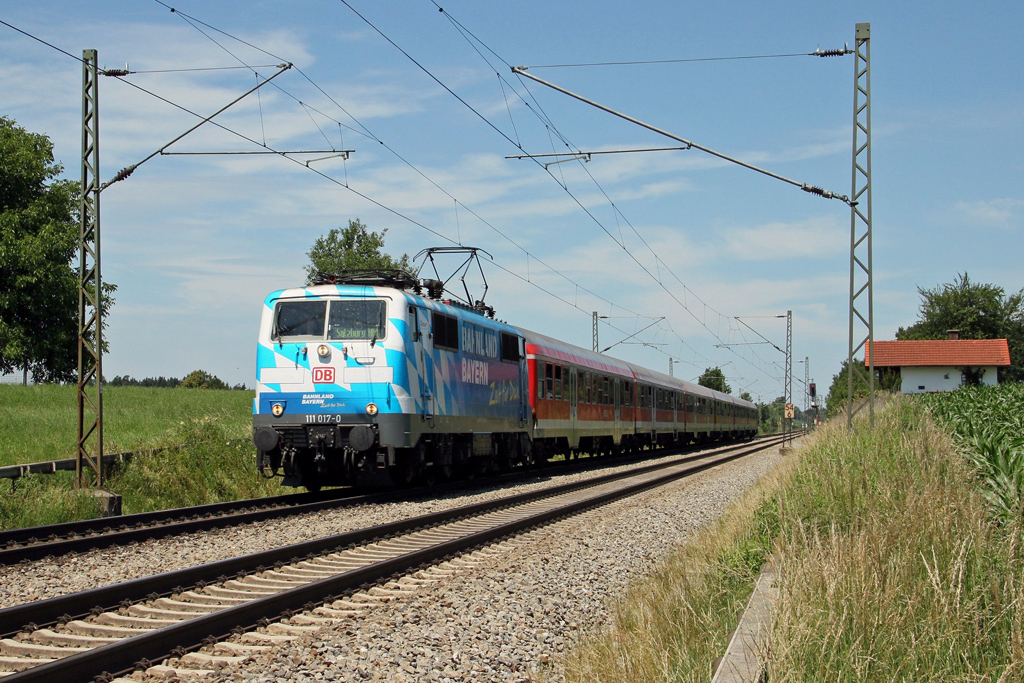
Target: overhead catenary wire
<point x="549" y="126"/>
<point x="816" y="53"/>
<point x="269" y="150"/>
<point x="192" y="21"/>
<point x="397" y="213"/>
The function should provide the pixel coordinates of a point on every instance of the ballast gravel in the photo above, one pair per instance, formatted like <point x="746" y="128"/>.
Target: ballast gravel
<point x="512" y="617"/>
<point x="509" y="618"/>
<point x="28" y="582"/>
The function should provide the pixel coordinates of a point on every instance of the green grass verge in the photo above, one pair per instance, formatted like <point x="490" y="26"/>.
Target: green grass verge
<point x="892" y="570"/>
<point x="40" y="422"/>
<point x="209" y="455"/>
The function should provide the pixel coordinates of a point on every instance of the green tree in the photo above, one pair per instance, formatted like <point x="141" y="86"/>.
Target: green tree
<point x="978" y="311"/>
<point x="745" y="396"/>
<point x="838" y="392"/>
<point x="714" y="378"/>
<point x="771" y="415"/>
<point x="355" y="247"/>
<point x="201" y="379"/>
<point x="38" y="240"/>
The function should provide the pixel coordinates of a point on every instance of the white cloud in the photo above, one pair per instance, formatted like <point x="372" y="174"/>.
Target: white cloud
<point x="993" y="213"/>
<point x="817" y="237"/>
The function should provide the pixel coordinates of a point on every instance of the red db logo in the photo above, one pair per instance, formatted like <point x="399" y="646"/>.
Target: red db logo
<point x="323" y="375"/>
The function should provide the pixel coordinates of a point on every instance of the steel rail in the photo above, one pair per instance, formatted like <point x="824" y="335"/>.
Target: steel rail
<point x="123" y="655"/>
<point x="36" y="543"/>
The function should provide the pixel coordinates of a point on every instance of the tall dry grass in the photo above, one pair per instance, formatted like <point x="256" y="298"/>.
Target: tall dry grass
<point x="673" y="625"/>
<point x="892" y="570"/>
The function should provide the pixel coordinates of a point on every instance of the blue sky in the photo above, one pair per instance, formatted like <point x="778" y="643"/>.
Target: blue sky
<point x="195" y="242"/>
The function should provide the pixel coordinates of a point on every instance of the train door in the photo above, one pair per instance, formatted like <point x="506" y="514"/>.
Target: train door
<point x="524" y="384"/>
<point x="424" y="360"/>
<point x="574" y="429"/>
<point x="617" y="430"/>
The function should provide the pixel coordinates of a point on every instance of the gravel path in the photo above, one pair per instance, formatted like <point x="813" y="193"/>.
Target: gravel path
<point x="48" y="578"/>
<point x="511" y="617"/>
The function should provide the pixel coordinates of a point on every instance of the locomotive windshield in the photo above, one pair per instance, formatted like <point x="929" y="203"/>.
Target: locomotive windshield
<point x="341" y="320"/>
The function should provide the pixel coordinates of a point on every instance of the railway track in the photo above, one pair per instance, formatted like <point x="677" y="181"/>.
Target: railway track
<point x="36" y="543"/>
<point x="119" y="628"/>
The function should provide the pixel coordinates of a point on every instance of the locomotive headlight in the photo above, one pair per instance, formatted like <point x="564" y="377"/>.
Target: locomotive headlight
<point x="323" y="350"/>
<point x="277" y="409"/>
<point x="371" y="408"/>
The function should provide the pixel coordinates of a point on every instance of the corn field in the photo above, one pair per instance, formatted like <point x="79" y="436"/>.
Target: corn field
<point x="988" y="423"/>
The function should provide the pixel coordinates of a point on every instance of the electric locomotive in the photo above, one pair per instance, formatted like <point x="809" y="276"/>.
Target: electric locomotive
<point x="367" y="374"/>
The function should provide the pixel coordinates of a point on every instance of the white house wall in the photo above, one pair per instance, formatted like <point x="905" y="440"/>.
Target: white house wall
<point x="927" y="379"/>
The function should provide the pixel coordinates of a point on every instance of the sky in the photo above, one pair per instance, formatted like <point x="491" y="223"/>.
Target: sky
<point x="709" y="252"/>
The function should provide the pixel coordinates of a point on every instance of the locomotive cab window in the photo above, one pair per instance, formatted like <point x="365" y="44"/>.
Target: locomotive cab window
<point x="360" y="319"/>
<point x="311" y="320"/>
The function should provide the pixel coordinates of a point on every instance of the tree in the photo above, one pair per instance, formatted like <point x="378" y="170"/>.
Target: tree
<point x="745" y="396"/>
<point x="201" y="379"/>
<point x="38" y="240"/>
<point x="771" y="415"/>
<point x="978" y="311"/>
<point x="355" y="247"/>
<point x="714" y="378"/>
<point x="838" y="392"/>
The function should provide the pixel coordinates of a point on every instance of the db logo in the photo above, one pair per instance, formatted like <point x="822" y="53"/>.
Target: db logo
<point x="323" y="375"/>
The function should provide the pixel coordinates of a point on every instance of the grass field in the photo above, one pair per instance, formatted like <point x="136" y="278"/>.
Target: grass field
<point x="209" y="457"/>
<point x="40" y="422"/>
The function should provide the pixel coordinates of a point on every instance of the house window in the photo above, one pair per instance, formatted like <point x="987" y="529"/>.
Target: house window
<point x="920" y="387"/>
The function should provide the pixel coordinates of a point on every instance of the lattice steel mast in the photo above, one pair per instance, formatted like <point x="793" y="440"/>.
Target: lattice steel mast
<point x="789" y="377"/>
<point x="861" y="281"/>
<point x="89" y="468"/>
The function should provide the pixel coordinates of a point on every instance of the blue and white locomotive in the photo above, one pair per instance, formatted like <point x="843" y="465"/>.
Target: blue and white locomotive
<point x="363" y="374"/>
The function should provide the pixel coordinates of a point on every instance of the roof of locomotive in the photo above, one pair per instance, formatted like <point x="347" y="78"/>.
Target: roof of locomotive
<point x="366" y="291"/>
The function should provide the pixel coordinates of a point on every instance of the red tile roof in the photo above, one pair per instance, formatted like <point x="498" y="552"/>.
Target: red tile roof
<point x="941" y="352"/>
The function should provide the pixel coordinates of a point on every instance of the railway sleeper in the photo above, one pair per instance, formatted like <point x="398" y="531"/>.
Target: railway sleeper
<point x="201" y="659"/>
<point x="213" y="600"/>
<point x="263" y="638"/>
<point x="139" y="623"/>
<point x="305" y="574"/>
<point x="241" y="593"/>
<point x="271" y="580"/>
<point x="12" y="664"/>
<point x="250" y="585"/>
<point x="45" y="636"/>
<point x="311" y="620"/>
<point x="338" y="613"/>
<point x="20" y="648"/>
<point x="226" y="647"/>
<point x="187" y="606"/>
<point x="87" y="628"/>
<point x="149" y="612"/>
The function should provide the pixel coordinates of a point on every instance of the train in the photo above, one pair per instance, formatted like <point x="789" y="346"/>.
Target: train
<point x="376" y="376"/>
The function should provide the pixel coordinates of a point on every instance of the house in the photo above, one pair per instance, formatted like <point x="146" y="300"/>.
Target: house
<point x="941" y="364"/>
